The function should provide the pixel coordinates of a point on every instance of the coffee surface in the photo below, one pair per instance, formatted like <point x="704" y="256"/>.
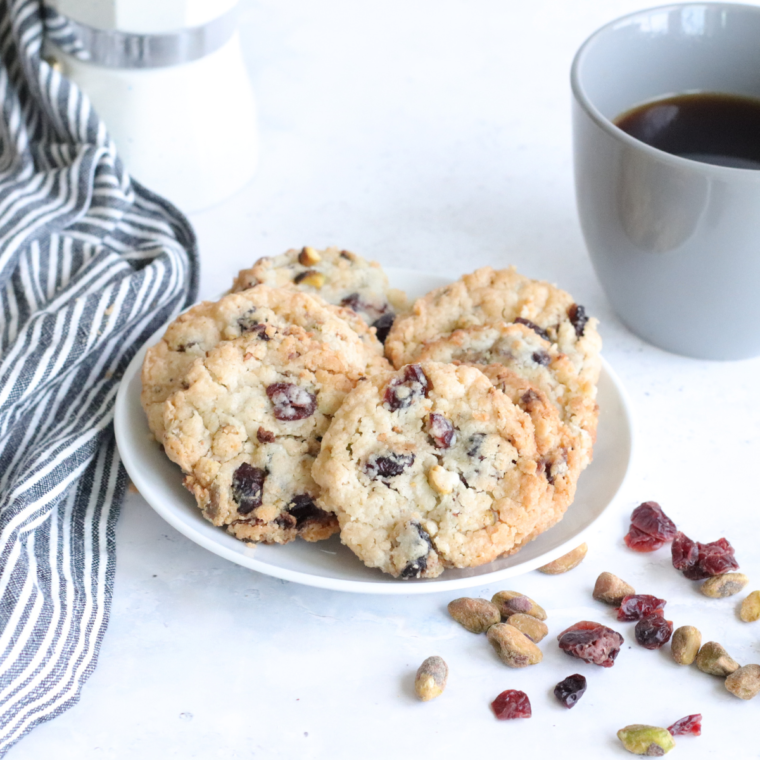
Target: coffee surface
<point x="713" y="128"/>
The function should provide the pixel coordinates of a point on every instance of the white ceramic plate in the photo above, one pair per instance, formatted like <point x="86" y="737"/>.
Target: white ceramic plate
<point x="328" y="564"/>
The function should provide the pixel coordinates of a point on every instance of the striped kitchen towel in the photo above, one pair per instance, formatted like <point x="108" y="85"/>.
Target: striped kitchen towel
<point x="91" y="264"/>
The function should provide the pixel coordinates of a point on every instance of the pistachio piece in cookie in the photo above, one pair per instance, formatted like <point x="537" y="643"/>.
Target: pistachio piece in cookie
<point x="432" y="467"/>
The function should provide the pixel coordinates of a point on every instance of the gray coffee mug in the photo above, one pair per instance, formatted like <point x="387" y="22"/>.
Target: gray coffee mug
<point x="674" y="242"/>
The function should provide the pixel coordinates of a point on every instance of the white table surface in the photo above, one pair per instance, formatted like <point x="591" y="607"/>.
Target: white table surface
<point x="433" y="135"/>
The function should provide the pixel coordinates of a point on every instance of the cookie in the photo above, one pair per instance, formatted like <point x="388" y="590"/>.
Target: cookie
<point x="205" y="325"/>
<point x="433" y="467"/>
<point x="488" y="296"/>
<point x="248" y="425"/>
<point x="508" y="352"/>
<point x="340" y="277"/>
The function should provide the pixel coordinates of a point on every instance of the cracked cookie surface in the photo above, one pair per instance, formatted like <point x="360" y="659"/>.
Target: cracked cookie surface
<point x="208" y="323"/>
<point x="432" y="467"/>
<point x="340" y="277"/>
<point x="523" y="353"/>
<point x="248" y="427"/>
<point x="489" y="296"/>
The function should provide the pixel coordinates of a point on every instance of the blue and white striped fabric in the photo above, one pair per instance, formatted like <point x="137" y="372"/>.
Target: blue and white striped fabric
<point x="90" y="265"/>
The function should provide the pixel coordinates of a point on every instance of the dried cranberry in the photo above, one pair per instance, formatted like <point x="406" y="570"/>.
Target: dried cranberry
<point x="511" y="704"/>
<point x="542" y="358"/>
<point x="649" y="518"/>
<point x="476" y="441"/>
<point x="441" y="431"/>
<point x="418" y="565"/>
<point x="247" y="322"/>
<point x="545" y="466"/>
<point x="353" y="302"/>
<point x="291" y="402"/>
<point x="529" y="399"/>
<point x="717" y="558"/>
<point x="684" y="551"/>
<point x="691" y="724"/>
<point x="402" y="391"/>
<point x="591" y="642"/>
<point x="533" y="326"/>
<point x="264" y="436"/>
<point x="383" y="325"/>
<point x="258" y="328"/>
<point x="303" y="508"/>
<point x="388" y="466"/>
<point x="637" y="606"/>
<point x="698" y="561"/>
<point x="578" y="318"/>
<point x="653" y="631"/>
<point x="248" y="487"/>
<point x="642" y="542"/>
<point x="569" y="691"/>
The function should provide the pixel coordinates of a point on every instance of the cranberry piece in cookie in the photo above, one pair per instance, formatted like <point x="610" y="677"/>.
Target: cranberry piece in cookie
<point x="441" y="431"/>
<point x="248" y="487"/>
<point x="402" y="392"/>
<point x="533" y="326"/>
<point x="578" y="318"/>
<point x="379" y="468"/>
<point x="291" y="402"/>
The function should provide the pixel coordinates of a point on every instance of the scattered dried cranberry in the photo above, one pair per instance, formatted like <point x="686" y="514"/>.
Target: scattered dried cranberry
<point x="691" y="724"/>
<point x="684" y="551"/>
<point x="637" y="606"/>
<point x="699" y="561"/>
<point x="591" y="642"/>
<point x="650" y="518"/>
<point x="533" y="326"/>
<point x="511" y="704"/>
<point x="248" y="487"/>
<point x="401" y="392"/>
<point x="441" y="431"/>
<point x="569" y="691"/>
<point x="388" y="466"/>
<point x="291" y="402"/>
<point x="383" y="325"/>
<point x="578" y="318"/>
<point x="653" y="631"/>
<point x="642" y="542"/>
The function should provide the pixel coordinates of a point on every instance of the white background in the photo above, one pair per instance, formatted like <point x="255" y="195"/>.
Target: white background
<point x="432" y="135"/>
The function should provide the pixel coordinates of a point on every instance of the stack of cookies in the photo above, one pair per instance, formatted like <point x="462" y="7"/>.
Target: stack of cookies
<point x="280" y="404"/>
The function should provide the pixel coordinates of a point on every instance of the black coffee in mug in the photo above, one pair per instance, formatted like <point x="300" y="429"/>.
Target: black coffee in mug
<point x="711" y="127"/>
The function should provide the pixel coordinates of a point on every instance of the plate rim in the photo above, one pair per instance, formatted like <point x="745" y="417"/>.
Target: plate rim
<point x="386" y="586"/>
